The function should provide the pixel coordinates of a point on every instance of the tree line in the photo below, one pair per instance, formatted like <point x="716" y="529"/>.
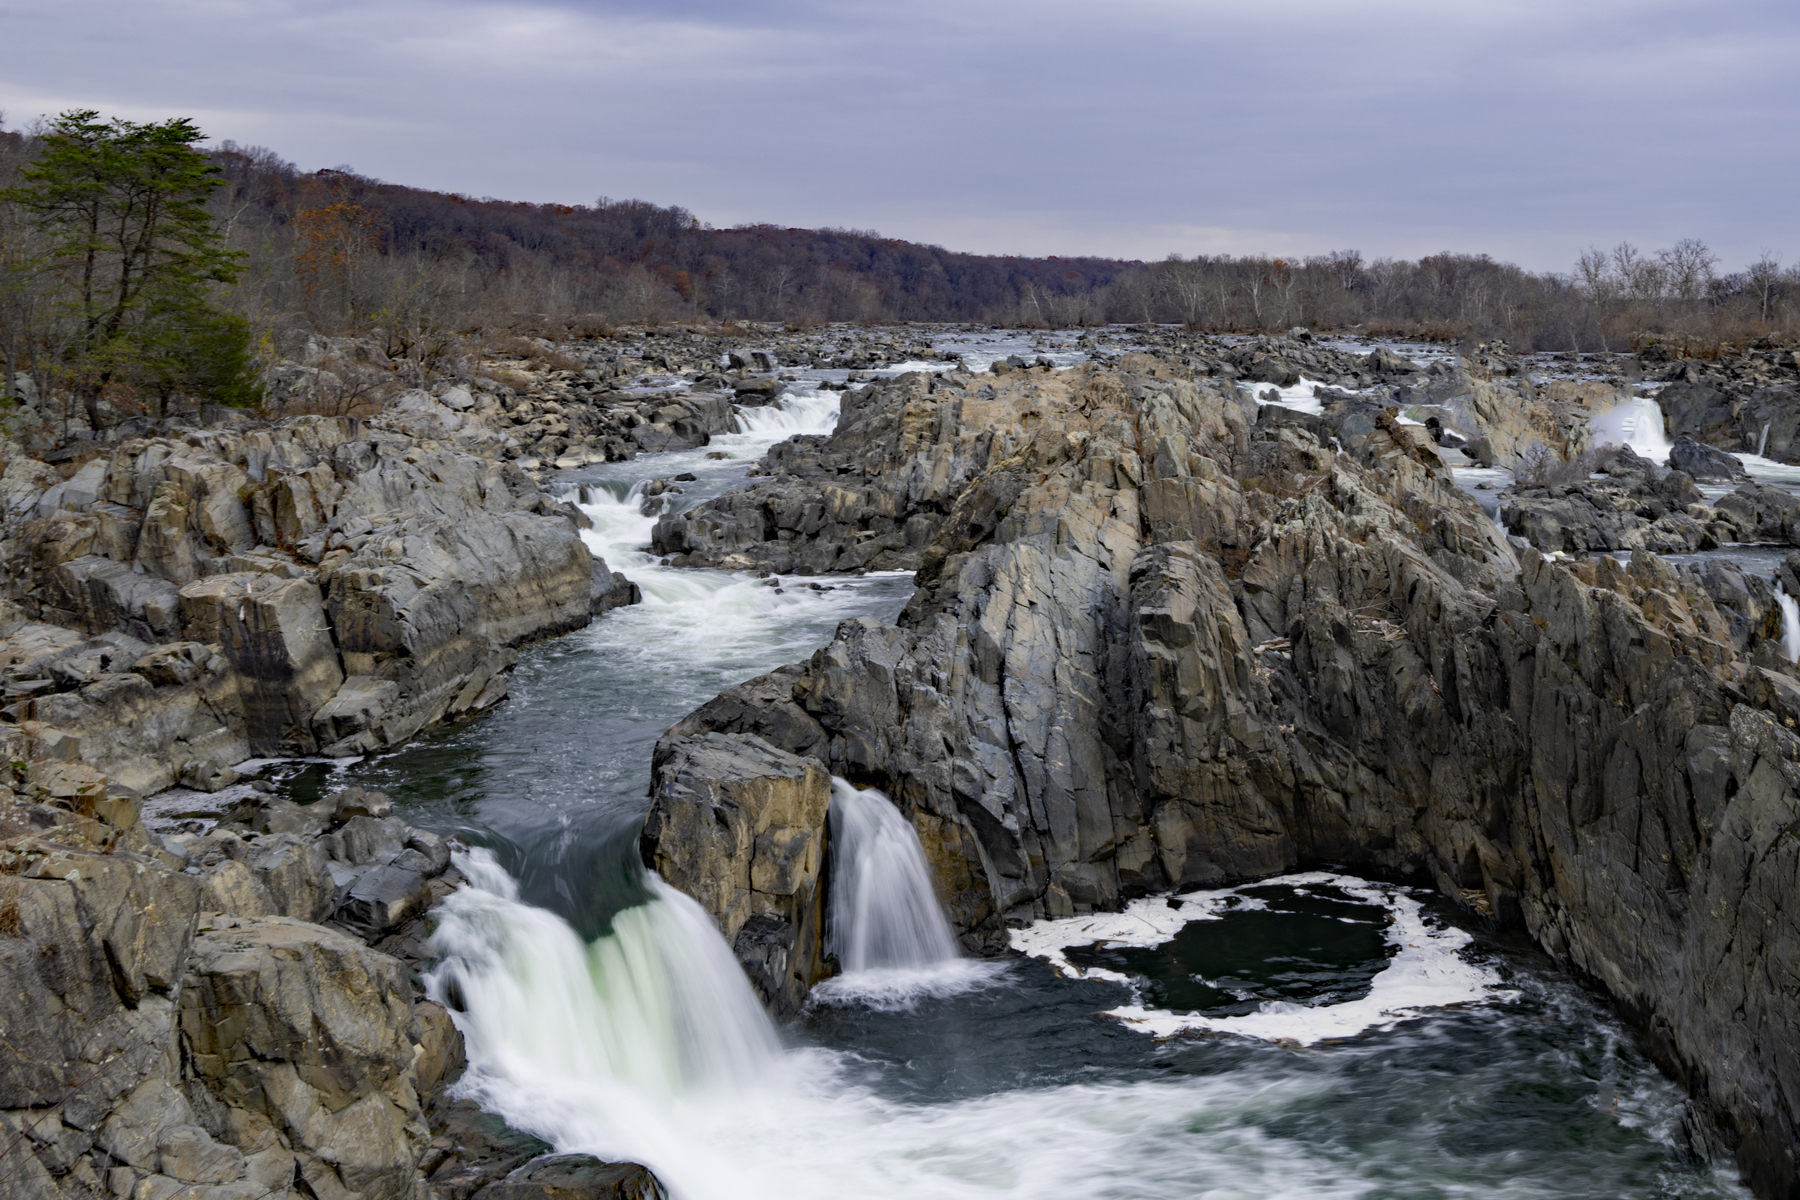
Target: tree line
<point x="137" y="262"/>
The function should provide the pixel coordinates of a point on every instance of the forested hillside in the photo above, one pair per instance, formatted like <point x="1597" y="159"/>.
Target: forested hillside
<point x="336" y="252"/>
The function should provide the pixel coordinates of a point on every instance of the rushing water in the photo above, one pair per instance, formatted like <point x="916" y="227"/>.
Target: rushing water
<point x="1336" y="1038"/>
<point x="884" y="914"/>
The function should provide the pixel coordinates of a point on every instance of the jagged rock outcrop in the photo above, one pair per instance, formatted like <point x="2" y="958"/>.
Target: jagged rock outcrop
<point x="1173" y="641"/>
<point x="740" y="826"/>
<point x="1748" y="403"/>
<point x="316" y="585"/>
<point x="230" y="1013"/>
<point x="1636" y="505"/>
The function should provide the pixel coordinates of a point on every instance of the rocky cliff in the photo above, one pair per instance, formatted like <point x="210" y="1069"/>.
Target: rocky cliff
<point x="175" y="606"/>
<point x="1165" y="638"/>
<point x="233" y="1013"/>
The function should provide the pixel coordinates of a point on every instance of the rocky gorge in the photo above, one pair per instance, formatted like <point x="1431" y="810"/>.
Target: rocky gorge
<point x="1195" y="612"/>
<point x="1166" y="637"/>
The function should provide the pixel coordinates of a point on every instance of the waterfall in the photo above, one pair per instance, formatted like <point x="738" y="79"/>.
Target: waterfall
<point x="1762" y="443"/>
<point x="884" y="913"/>
<point x="1790" y="623"/>
<point x="659" y="1005"/>
<point x="1637" y="423"/>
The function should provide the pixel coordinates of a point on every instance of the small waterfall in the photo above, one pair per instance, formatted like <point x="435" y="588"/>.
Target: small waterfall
<point x="884" y="913"/>
<point x="659" y="1004"/>
<point x="1790" y="624"/>
<point x="808" y="410"/>
<point x="1637" y="423"/>
<point x="1762" y="443"/>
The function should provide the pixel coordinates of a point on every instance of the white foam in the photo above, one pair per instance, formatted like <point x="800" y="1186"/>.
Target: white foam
<point x="1426" y="971"/>
<point x="1767" y="470"/>
<point x="1299" y="397"/>
<point x="914" y="364"/>
<point x="892" y="989"/>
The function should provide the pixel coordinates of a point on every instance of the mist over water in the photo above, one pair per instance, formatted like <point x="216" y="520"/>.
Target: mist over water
<point x="604" y="1012"/>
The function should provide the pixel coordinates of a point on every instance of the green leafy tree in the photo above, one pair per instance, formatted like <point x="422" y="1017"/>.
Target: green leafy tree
<point x="134" y="253"/>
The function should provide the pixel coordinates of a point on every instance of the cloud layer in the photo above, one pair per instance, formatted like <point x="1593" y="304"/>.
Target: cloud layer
<point x="1528" y="129"/>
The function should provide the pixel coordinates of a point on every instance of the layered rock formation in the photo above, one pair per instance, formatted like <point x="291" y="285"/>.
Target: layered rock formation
<point x="740" y="826"/>
<point x="1634" y="504"/>
<point x="234" y="1013"/>
<point x="177" y="606"/>
<point x="1165" y="639"/>
<point x="178" y="1023"/>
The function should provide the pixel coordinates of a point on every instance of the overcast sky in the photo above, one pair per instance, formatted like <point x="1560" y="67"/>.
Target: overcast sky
<point x="1528" y="129"/>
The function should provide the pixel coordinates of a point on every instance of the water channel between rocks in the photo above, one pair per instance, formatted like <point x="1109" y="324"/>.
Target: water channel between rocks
<point x="1336" y="1038"/>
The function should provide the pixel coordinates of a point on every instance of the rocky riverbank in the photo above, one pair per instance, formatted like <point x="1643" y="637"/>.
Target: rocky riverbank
<point x="235" y="1012"/>
<point x="1165" y="637"/>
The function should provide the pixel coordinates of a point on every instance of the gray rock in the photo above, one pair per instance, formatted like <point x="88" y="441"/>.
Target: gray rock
<point x="575" y="1177"/>
<point x="188" y="1153"/>
<point x="740" y="826"/>
<point x="1705" y="462"/>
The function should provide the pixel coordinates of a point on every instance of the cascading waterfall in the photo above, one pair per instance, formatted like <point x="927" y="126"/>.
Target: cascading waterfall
<point x="1762" y="443"/>
<point x="884" y="913"/>
<point x="1790" y="623"/>
<point x="659" y="1004"/>
<point x="1637" y="423"/>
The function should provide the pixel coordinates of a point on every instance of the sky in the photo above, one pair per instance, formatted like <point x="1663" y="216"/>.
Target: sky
<point x="1525" y="129"/>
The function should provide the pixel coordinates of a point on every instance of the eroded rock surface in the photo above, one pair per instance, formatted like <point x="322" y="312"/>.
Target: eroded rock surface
<point x="318" y="585"/>
<point x="1165" y="638"/>
<point x="740" y="826"/>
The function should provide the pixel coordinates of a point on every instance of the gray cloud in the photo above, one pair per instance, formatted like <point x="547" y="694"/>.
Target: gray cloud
<point x="1527" y="129"/>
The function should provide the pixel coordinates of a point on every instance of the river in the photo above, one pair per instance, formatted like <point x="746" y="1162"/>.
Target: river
<point x="1332" y="1038"/>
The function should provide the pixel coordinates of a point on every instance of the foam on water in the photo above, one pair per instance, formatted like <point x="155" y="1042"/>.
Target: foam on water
<point x="1425" y="972"/>
<point x="648" y="1045"/>
<point x="714" y="610"/>
<point x="1767" y="470"/>
<point x="1299" y="397"/>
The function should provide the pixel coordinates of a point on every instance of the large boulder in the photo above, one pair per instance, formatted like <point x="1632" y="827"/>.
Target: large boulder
<point x="304" y="1037"/>
<point x="1703" y="462"/>
<point x="740" y="826"/>
<point x="575" y="1177"/>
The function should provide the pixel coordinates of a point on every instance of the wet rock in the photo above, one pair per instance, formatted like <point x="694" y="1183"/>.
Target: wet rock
<point x="740" y="826"/>
<point x="1704" y="462"/>
<point x="575" y="1177"/>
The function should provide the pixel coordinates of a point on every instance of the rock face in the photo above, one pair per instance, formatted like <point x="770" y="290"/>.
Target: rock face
<point x="1750" y="403"/>
<point x="1635" y="505"/>
<point x="740" y="826"/>
<point x="176" y="1022"/>
<point x="180" y="1022"/>
<point x="318" y="586"/>
<point x="1169" y="640"/>
<point x="576" y="1177"/>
